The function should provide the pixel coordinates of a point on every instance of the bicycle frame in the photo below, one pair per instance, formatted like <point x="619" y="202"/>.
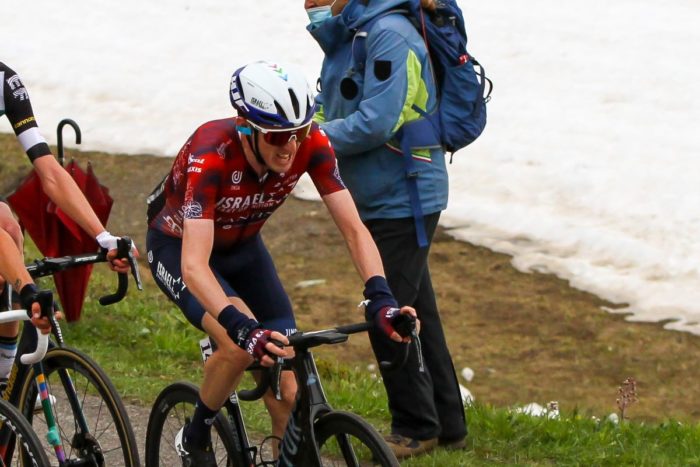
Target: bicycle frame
<point x="28" y="341"/>
<point x="33" y="340"/>
<point x="298" y="445"/>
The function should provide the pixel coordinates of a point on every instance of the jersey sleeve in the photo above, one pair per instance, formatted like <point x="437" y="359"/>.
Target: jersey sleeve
<point x="323" y="166"/>
<point x="14" y="101"/>
<point x="204" y="171"/>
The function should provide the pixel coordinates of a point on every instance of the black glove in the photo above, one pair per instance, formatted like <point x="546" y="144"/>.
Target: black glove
<point x="246" y="333"/>
<point x="381" y="306"/>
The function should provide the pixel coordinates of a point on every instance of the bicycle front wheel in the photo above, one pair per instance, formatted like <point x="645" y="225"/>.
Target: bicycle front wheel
<point x="93" y="424"/>
<point x="22" y="446"/>
<point x="171" y="410"/>
<point x="345" y="439"/>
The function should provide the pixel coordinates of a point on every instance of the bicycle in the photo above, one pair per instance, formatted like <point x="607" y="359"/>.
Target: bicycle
<point x="19" y="444"/>
<point x="316" y="434"/>
<point x="92" y="425"/>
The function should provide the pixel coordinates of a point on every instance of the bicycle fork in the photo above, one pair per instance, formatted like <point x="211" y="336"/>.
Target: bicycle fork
<point x="52" y="436"/>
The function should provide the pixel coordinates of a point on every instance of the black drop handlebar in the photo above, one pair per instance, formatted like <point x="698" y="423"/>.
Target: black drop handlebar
<point x="302" y="341"/>
<point x="49" y="266"/>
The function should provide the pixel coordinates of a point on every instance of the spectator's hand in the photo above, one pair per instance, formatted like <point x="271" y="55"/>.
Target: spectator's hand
<point x="261" y="346"/>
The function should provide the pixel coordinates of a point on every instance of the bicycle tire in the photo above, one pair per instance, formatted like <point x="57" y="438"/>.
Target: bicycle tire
<point x="111" y="440"/>
<point x="365" y="446"/>
<point x="173" y="405"/>
<point x="25" y="448"/>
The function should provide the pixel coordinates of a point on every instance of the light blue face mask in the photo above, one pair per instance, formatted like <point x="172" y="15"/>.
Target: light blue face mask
<point x="319" y="14"/>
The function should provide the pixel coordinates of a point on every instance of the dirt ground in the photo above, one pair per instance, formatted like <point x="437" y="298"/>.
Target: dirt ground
<point x="528" y="337"/>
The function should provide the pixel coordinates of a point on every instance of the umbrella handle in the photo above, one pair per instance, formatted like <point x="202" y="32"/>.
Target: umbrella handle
<point x="59" y="136"/>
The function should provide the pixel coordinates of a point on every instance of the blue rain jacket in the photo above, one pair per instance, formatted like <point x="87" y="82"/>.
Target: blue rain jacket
<point x="361" y="109"/>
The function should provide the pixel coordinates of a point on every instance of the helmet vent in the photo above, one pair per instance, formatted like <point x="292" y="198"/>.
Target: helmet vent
<point x="280" y="110"/>
<point x="295" y="103"/>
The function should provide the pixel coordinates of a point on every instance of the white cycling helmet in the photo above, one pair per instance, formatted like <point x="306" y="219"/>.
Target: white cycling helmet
<point x="272" y="95"/>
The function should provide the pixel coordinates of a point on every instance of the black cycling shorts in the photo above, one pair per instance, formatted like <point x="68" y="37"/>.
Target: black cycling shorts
<point x="246" y="272"/>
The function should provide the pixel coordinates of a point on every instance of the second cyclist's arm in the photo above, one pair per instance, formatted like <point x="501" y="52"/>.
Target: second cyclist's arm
<point x="197" y="242"/>
<point x="363" y="250"/>
<point x="60" y="187"/>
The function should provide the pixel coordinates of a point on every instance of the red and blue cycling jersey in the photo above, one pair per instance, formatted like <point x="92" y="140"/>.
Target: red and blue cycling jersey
<point x="211" y="179"/>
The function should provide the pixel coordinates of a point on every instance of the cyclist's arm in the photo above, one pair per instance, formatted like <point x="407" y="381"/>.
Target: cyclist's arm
<point x="363" y="251"/>
<point x="197" y="242"/>
<point x="9" y="224"/>
<point x="60" y="187"/>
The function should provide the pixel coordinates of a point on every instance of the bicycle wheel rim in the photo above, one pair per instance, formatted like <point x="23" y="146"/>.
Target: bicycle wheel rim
<point x="110" y="440"/>
<point x="172" y="408"/>
<point x="345" y="439"/>
<point x="23" y="447"/>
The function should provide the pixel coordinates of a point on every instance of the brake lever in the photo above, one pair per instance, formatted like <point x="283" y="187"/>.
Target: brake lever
<point x="132" y="262"/>
<point x="276" y="372"/>
<point x="415" y="340"/>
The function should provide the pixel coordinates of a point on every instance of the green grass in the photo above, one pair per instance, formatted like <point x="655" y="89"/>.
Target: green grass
<point x="144" y="343"/>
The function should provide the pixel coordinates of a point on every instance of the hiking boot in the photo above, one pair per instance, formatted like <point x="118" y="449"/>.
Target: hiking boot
<point x="192" y="456"/>
<point x="453" y="444"/>
<point x="407" y="447"/>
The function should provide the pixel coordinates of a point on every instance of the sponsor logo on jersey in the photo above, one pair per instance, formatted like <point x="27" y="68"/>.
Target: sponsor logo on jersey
<point x="197" y="170"/>
<point x="18" y="90"/>
<point x="192" y="210"/>
<point x="21" y="123"/>
<point x="191" y="159"/>
<point x="236" y="177"/>
<point x="239" y="203"/>
<point x="221" y="149"/>
<point x="174" y="286"/>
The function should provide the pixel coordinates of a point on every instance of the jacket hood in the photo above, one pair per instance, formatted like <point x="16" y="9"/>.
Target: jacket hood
<point x="358" y="12"/>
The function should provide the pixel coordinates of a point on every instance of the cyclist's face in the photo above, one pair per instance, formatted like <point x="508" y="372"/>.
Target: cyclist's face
<point x="279" y="159"/>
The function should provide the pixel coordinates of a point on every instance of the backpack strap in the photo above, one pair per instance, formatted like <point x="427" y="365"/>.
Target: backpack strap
<point x="412" y="186"/>
<point x="421" y="133"/>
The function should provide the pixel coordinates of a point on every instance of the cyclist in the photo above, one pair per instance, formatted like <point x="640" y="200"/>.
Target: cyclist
<point x="204" y="246"/>
<point x="61" y="189"/>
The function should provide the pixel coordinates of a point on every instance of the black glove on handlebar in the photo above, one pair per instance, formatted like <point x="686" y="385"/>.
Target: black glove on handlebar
<point x="27" y="296"/>
<point x="246" y="333"/>
<point x="381" y="306"/>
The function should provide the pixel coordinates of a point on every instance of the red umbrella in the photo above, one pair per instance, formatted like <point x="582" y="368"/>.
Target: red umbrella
<point x="56" y="234"/>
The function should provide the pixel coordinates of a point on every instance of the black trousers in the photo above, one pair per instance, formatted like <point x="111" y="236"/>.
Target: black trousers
<point x="422" y="405"/>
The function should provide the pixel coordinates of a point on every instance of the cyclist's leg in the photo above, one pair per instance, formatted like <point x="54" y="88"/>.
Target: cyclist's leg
<point x="253" y="274"/>
<point x="224" y="368"/>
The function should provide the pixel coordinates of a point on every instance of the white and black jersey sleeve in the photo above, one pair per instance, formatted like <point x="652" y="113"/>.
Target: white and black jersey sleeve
<point x="14" y="101"/>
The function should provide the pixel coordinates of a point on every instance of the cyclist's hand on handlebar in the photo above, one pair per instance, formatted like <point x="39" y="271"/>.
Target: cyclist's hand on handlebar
<point x="29" y="299"/>
<point x="261" y="345"/>
<point x="396" y="323"/>
<point x="109" y="242"/>
<point x="42" y="324"/>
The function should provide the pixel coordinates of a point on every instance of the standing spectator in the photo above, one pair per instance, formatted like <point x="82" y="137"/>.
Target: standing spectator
<point x="368" y="86"/>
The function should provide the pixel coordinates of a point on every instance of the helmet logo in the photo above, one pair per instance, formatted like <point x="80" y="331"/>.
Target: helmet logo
<point x="280" y="72"/>
<point x="259" y="103"/>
